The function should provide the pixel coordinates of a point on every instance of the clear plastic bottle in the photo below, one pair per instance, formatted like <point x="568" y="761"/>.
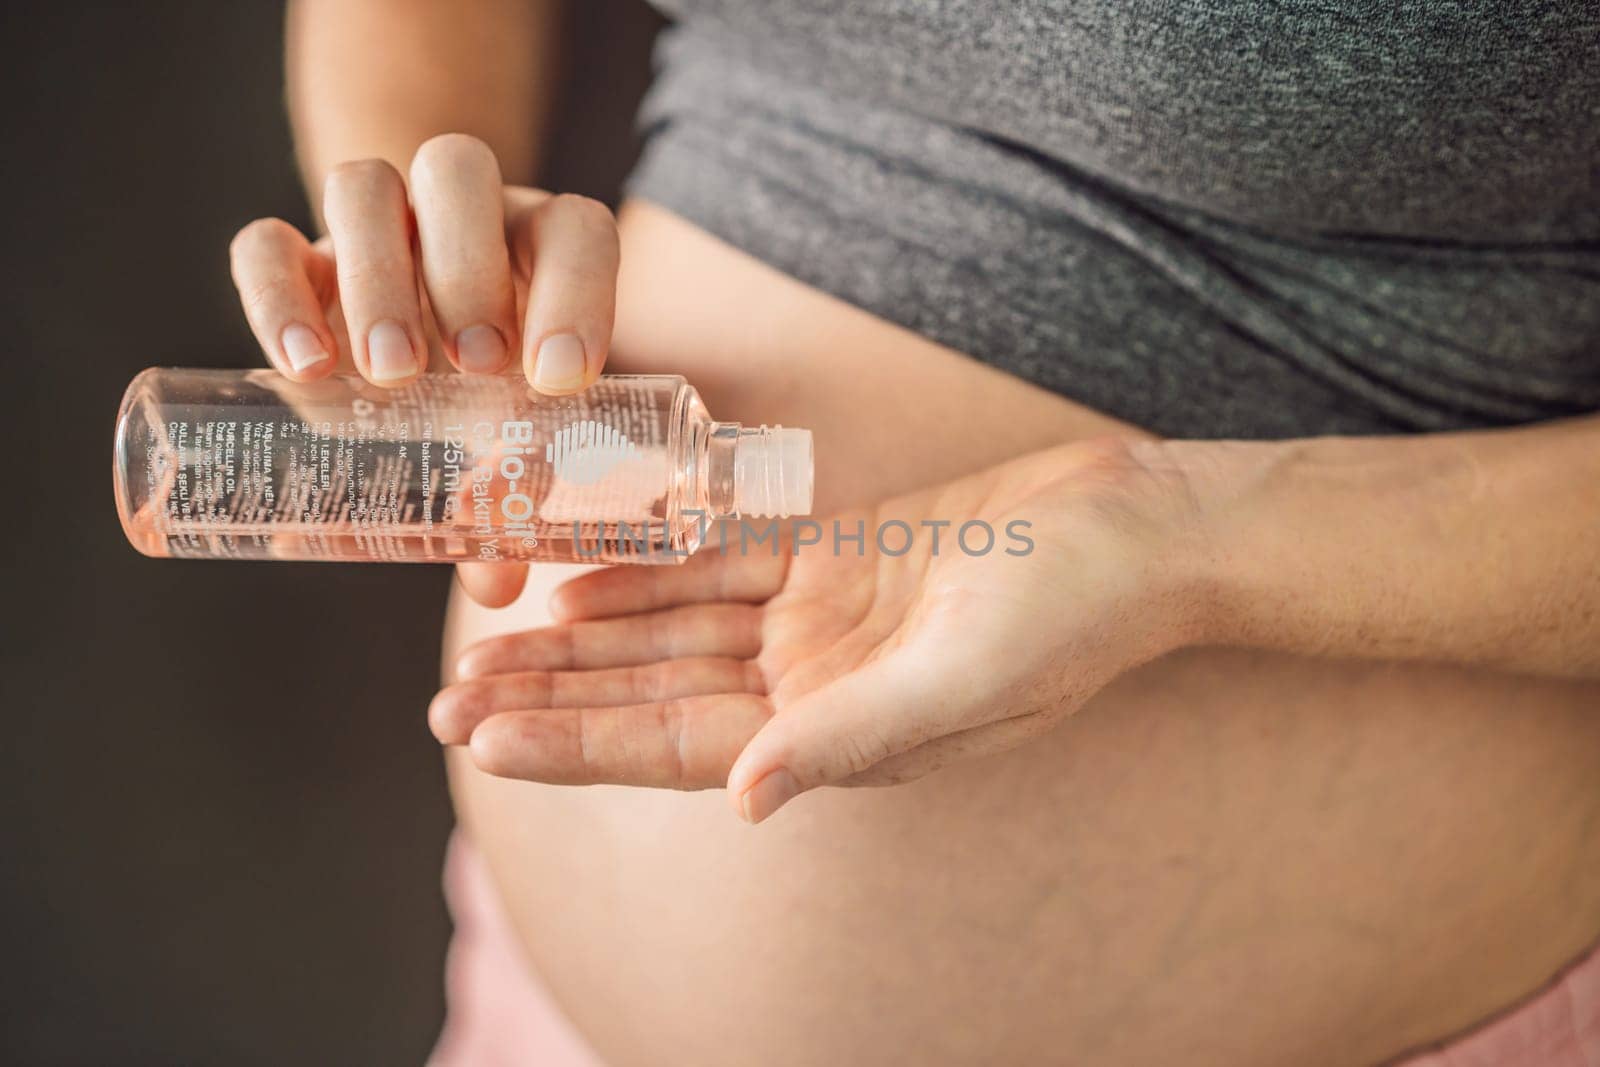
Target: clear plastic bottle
<point x="249" y="465"/>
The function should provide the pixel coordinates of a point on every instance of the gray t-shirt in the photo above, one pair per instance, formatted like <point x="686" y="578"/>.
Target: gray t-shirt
<point x="1251" y="218"/>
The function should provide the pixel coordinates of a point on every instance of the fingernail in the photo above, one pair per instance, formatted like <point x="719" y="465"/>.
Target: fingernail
<point x="301" y="346"/>
<point x="559" y="366"/>
<point x="389" y="353"/>
<point x="480" y="349"/>
<point x="775" y="790"/>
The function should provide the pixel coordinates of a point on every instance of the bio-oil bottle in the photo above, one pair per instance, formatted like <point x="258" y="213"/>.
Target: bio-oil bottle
<point x="220" y="464"/>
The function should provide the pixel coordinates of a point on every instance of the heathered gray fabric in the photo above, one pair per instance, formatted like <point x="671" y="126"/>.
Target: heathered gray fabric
<point x="1257" y="218"/>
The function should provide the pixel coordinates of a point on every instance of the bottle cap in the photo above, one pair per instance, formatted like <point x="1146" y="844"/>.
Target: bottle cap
<point x="772" y="472"/>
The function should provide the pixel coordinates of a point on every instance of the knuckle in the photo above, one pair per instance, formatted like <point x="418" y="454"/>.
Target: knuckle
<point x="260" y="235"/>
<point x="452" y="153"/>
<point x="675" y="761"/>
<point x="587" y="212"/>
<point x="464" y="277"/>
<point x="357" y="176"/>
<point x="594" y="286"/>
<point x="653" y="685"/>
<point x="378" y="273"/>
<point x="260" y="295"/>
<point x="583" y="745"/>
<point x="542" y="691"/>
<point x="862" y="749"/>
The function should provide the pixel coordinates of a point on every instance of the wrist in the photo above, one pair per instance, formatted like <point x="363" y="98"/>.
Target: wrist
<point x="1201" y="484"/>
<point x="1229" y="485"/>
<point x="1239" y="552"/>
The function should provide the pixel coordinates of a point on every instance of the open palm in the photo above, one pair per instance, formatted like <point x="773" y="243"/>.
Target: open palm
<point x="1020" y="592"/>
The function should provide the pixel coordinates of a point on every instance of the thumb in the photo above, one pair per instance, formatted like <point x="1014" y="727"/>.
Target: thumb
<point x="860" y="719"/>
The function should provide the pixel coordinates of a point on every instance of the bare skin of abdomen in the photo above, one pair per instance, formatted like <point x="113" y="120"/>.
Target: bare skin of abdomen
<point x="1228" y="857"/>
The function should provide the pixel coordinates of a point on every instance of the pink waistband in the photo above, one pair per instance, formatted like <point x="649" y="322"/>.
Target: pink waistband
<point x="499" y="1014"/>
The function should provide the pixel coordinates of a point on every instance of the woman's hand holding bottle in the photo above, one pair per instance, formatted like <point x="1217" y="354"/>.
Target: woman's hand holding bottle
<point x="453" y="266"/>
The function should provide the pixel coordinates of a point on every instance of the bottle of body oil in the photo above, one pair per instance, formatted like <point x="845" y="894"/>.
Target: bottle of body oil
<point x="249" y="465"/>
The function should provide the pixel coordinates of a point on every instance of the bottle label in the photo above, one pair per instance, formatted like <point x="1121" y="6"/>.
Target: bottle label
<point x="451" y="467"/>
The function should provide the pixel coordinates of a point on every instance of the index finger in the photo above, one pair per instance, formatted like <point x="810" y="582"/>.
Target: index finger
<point x="283" y="281"/>
<point x="707" y="577"/>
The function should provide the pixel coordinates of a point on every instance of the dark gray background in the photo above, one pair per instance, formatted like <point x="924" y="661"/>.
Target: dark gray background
<point x="221" y="813"/>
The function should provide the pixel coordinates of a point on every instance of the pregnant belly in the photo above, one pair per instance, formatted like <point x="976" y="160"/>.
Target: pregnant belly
<point x="1226" y="858"/>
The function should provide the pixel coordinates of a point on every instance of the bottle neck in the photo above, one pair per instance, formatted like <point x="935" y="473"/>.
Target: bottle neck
<point x="722" y="440"/>
<point x="759" y="471"/>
